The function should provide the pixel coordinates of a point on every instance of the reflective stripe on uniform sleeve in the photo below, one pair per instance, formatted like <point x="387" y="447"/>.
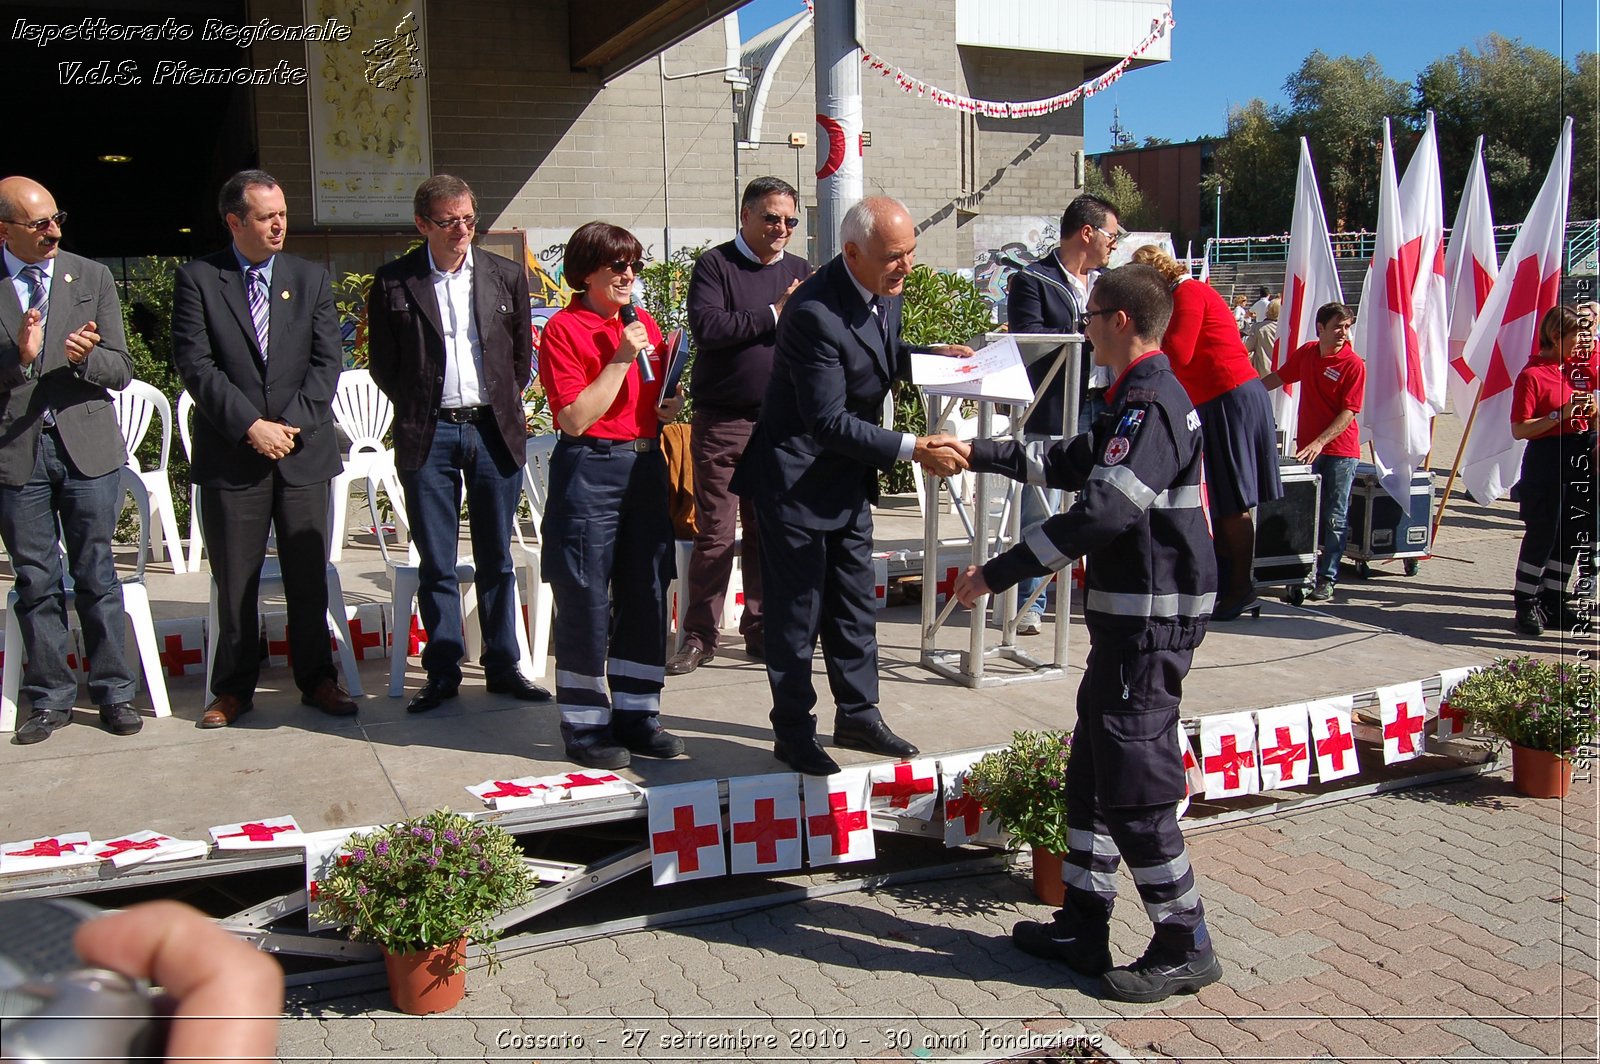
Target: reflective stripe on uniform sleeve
<point x="1126" y="481"/>
<point x="1048" y="553"/>
<point x="1184" y="498"/>
<point x="1033" y="456"/>
<point x="1124" y="604"/>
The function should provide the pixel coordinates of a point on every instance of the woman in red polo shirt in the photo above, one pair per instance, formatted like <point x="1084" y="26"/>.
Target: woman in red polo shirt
<point x="607" y="532"/>
<point x="1552" y="407"/>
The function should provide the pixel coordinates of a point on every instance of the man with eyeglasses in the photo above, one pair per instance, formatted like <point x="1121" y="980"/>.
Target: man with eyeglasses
<point x="61" y="348"/>
<point x="450" y="342"/>
<point x="736" y="296"/>
<point x="1049" y="297"/>
<point x="255" y="336"/>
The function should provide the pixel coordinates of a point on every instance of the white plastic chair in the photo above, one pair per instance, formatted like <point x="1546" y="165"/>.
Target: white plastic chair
<point x="405" y="581"/>
<point x="186" y="436"/>
<point x="137" y="405"/>
<point x="135" y="603"/>
<point x="536" y="486"/>
<point x="363" y="413"/>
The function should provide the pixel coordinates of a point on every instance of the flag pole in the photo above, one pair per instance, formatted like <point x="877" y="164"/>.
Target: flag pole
<point x="1444" y="500"/>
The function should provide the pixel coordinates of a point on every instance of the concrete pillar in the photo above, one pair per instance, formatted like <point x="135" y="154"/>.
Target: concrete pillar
<point x="838" y="119"/>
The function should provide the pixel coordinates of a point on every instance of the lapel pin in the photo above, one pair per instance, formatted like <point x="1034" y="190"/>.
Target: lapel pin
<point x="67" y="277"/>
<point x="285" y="294"/>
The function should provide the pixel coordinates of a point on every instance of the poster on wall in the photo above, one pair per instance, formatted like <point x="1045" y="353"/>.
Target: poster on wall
<point x="1000" y="244"/>
<point x="368" y="101"/>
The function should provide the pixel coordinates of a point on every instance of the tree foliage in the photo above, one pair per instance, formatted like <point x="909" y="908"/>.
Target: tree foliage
<point x="1338" y="105"/>
<point x="1251" y="163"/>
<point x="1119" y="189"/>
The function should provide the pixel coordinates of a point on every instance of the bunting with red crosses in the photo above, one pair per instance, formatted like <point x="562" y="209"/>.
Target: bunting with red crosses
<point x="764" y="823"/>
<point x="685" y="832"/>
<point x="269" y="833"/>
<point x="1283" y="741"/>
<point x="148" y="847"/>
<point x="907" y="789"/>
<point x="1452" y="722"/>
<point x="47" y="852"/>
<point x="838" y="828"/>
<point x="322" y="848"/>
<point x="1228" y="755"/>
<point x="964" y="819"/>
<point x="1333" y="743"/>
<point x="523" y="792"/>
<point x="1403" y="715"/>
<point x="1194" y="780"/>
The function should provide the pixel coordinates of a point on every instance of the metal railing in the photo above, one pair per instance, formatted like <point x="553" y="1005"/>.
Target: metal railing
<point x="1583" y="238"/>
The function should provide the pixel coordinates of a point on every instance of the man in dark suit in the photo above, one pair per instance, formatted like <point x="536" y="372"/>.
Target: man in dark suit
<point x="450" y="342"/>
<point x="256" y="337"/>
<point x="61" y="347"/>
<point x="812" y="468"/>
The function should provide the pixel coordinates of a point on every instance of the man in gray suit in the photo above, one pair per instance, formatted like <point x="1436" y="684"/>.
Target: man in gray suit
<point x="61" y="347"/>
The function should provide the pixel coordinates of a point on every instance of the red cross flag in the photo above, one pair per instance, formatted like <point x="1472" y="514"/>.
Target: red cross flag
<point x="321" y="848"/>
<point x="50" y="851"/>
<point x="907" y="789"/>
<point x="1452" y="721"/>
<point x="837" y="825"/>
<point x="148" y="847"/>
<point x="964" y="819"/>
<point x="1193" y="779"/>
<point x="519" y="793"/>
<point x="685" y="832"/>
<point x="366" y="632"/>
<point x="1506" y="332"/>
<point x="1283" y="735"/>
<point x="1228" y="755"/>
<point x="1471" y="264"/>
<point x="1422" y="224"/>
<point x="1402" y="712"/>
<point x="181" y="646"/>
<point x="275" y="627"/>
<point x="1333" y="742"/>
<point x="764" y="822"/>
<point x="1310" y="279"/>
<point x="273" y="833"/>
<point x="573" y="786"/>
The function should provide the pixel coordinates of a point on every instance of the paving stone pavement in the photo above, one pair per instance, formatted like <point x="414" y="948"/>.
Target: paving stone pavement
<point x="1449" y="922"/>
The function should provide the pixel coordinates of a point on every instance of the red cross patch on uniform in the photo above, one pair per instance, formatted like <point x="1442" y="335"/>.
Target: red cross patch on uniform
<point x="1117" y="449"/>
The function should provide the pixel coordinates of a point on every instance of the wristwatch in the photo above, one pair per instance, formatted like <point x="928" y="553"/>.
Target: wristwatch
<point x="1555" y="415"/>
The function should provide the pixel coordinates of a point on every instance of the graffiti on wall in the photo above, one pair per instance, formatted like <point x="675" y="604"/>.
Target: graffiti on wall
<point x="1000" y="243"/>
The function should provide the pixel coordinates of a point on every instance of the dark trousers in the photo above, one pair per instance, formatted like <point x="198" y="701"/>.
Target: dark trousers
<point x="715" y="447"/>
<point x="1125" y="781"/>
<point x="608" y="559"/>
<point x="234" y="522"/>
<point x="86" y="510"/>
<point x="819" y="582"/>
<point x="1557" y="504"/>
<point x="473" y="455"/>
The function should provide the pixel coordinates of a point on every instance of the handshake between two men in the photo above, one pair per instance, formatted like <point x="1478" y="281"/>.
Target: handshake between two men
<point x="944" y="455"/>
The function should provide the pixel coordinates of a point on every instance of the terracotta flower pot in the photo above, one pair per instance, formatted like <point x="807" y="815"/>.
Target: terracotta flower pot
<point x="428" y="980"/>
<point x="1047" y="885"/>
<point x="1539" y="773"/>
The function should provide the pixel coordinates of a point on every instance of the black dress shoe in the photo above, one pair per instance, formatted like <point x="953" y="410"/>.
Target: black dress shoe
<point x="808" y="757"/>
<point x="689" y="659"/>
<point x="755" y="647"/>
<point x="517" y="686"/>
<point x="431" y="695"/>
<point x="120" y="718"/>
<point x="37" y="728"/>
<point x="874" y="737"/>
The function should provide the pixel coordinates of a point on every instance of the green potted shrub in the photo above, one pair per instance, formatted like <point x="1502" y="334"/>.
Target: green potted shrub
<point x="421" y="889"/>
<point x="1544" y="709"/>
<point x="1024" y="789"/>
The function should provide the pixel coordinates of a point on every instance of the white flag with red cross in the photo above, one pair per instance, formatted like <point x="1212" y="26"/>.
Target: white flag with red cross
<point x="181" y="643"/>
<point x="764" y="823"/>
<point x="1471" y="264"/>
<point x="275" y="630"/>
<point x="366" y="632"/>
<point x="906" y="789"/>
<point x="147" y="847"/>
<point x="47" y="851"/>
<point x="269" y="833"/>
<point x="523" y="792"/>
<point x="1452" y="721"/>
<point x="1506" y="332"/>
<point x="322" y="850"/>
<point x="838" y="826"/>
<point x="1310" y="279"/>
<point x="964" y="819"/>
<point x="1403" y="713"/>
<point x="685" y="832"/>
<point x="1333" y="741"/>
<point x="1422" y="227"/>
<point x="579" y="786"/>
<point x="1228" y="755"/>
<point x="1194" y="781"/>
<point x="1283" y="737"/>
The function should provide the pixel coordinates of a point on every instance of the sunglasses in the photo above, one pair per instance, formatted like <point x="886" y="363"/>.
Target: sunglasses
<point x="60" y="218"/>
<point x="637" y="266"/>
<point x="469" y="221"/>
<point x="774" y="219"/>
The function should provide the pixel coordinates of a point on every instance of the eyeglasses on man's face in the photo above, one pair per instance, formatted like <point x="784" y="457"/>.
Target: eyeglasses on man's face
<point x="41" y="224"/>
<point x="468" y="221"/>
<point x="1115" y="238"/>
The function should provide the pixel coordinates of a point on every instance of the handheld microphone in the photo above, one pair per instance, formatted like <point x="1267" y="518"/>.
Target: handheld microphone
<point x="646" y="372"/>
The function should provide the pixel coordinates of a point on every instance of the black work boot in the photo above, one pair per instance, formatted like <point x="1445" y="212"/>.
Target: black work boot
<point x="1530" y="619"/>
<point x="1559" y="613"/>
<point x="643" y="734"/>
<point x="594" y="747"/>
<point x="1156" y="976"/>
<point x="1086" y="951"/>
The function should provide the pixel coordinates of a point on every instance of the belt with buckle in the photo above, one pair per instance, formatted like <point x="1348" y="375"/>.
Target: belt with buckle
<point x="641" y="445"/>
<point x="465" y="415"/>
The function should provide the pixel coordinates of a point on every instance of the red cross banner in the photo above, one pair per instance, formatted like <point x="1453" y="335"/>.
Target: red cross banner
<point x="520" y="793"/>
<point x="764" y="823"/>
<point x="321" y="848"/>
<point x="964" y="819"/>
<point x="1283" y="738"/>
<point x="1452" y="722"/>
<point x="1194" y="780"/>
<point x="1333" y="743"/>
<point x="1228" y="755"/>
<point x="576" y="786"/>
<point x="50" y="851"/>
<point x="1403" y="713"/>
<point x="880" y="580"/>
<point x="272" y="833"/>
<point x="838" y="827"/>
<point x="685" y="829"/>
<point x="275" y="627"/>
<point x="148" y="847"/>
<point x="905" y="789"/>
<point x="368" y="640"/>
<point x="181" y="645"/>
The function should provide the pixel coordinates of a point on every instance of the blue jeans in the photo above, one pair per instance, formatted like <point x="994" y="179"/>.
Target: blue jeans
<point x="86" y="508"/>
<point x="478" y="457"/>
<point x="1338" y="474"/>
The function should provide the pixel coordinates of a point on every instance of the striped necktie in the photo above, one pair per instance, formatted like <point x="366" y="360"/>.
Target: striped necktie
<point x="38" y="292"/>
<point x="256" y="282"/>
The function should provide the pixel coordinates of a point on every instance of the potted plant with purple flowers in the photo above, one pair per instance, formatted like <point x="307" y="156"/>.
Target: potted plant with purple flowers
<point x="1545" y="709"/>
<point x="421" y="889"/>
<point x="1023" y="788"/>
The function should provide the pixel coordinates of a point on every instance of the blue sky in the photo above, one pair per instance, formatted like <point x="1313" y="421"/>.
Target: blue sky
<point x="1226" y="52"/>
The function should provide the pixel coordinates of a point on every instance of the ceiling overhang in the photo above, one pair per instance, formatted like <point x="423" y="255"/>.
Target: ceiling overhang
<point x="632" y="31"/>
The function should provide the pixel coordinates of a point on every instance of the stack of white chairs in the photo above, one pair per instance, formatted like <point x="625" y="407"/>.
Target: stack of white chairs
<point x="137" y="406"/>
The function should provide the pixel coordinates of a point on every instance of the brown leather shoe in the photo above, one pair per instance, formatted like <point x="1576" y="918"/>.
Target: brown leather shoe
<point x="223" y="711"/>
<point x="329" y="697"/>
<point x="689" y="659"/>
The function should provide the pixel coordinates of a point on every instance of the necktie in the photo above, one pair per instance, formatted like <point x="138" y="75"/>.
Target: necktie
<point x="257" y="284"/>
<point x="879" y="312"/>
<point x="38" y="294"/>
